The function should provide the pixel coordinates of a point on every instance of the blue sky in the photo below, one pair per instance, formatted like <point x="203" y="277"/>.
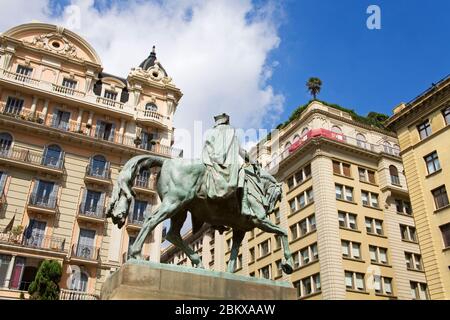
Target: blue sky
<point x="360" y="68"/>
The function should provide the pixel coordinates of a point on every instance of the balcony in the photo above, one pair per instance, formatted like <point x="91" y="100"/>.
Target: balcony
<point x="152" y="118"/>
<point x="17" y="77"/>
<point x="110" y="103"/>
<point x="336" y="137"/>
<point x="34" y="241"/>
<point x="66" y="91"/>
<point x="96" y="214"/>
<point x="66" y="294"/>
<point x="26" y="158"/>
<point x="43" y="204"/>
<point x="96" y="174"/>
<point x="144" y="185"/>
<point x="134" y="224"/>
<point x="85" y="253"/>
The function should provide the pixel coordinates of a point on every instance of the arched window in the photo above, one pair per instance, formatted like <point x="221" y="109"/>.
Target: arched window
<point x="79" y="281"/>
<point x="305" y="131"/>
<point x="361" y="140"/>
<point x="287" y="145"/>
<point x="337" y="132"/>
<point x="296" y="138"/>
<point x="393" y="171"/>
<point x="98" y="166"/>
<point x="5" y="142"/>
<point x="143" y="179"/>
<point x="151" y="107"/>
<point x="387" y="147"/>
<point x="52" y="156"/>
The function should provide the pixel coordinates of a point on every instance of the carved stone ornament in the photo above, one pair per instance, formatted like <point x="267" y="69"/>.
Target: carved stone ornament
<point x="56" y="43"/>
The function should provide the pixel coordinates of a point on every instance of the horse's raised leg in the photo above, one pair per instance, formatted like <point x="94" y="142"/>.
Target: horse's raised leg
<point x="174" y="237"/>
<point x="267" y="226"/>
<point x="238" y="236"/>
<point x="168" y="208"/>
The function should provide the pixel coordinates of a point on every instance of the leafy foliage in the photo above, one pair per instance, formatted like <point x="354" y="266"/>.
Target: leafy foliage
<point x="314" y="85"/>
<point x="45" y="285"/>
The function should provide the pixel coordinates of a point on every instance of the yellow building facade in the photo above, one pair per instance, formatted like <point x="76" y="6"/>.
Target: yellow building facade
<point x="346" y="209"/>
<point x="66" y="129"/>
<point x="423" y="130"/>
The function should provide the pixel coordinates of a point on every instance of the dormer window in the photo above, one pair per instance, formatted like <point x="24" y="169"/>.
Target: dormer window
<point x="69" y="83"/>
<point x="112" y="95"/>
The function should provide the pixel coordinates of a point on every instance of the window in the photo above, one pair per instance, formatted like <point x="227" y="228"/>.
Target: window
<point x="105" y="130"/>
<point x="408" y="233"/>
<point x="374" y="226"/>
<point x="140" y="210"/>
<point x="341" y="168"/>
<point x="4" y="266"/>
<point x="393" y="172"/>
<point x="279" y="269"/>
<point x="61" y="120"/>
<point x="3" y="177"/>
<point x="110" y="95"/>
<point x="44" y="194"/>
<point x="351" y="249"/>
<point x="306" y="255"/>
<point x="252" y="254"/>
<point x="98" y="167"/>
<point x="307" y="286"/>
<point x="369" y="199"/>
<point x="424" y="129"/>
<point x="378" y="255"/>
<point x="344" y="192"/>
<point x="13" y="106"/>
<point x="150" y="107"/>
<point x="446" y="114"/>
<point x="382" y="285"/>
<point x="228" y="244"/>
<point x="302" y="200"/>
<point x="265" y="272"/>
<point x="336" y="129"/>
<point x="79" y="281"/>
<point x="403" y="207"/>
<point x="354" y="280"/>
<point x="440" y="197"/>
<point x="413" y="261"/>
<point x="299" y="177"/>
<point x="303" y="227"/>
<point x="445" y="229"/>
<point x="92" y="203"/>
<point x="347" y="220"/>
<point x="25" y="71"/>
<point x="5" y="143"/>
<point x="432" y="162"/>
<point x="52" y="156"/>
<point x="277" y="242"/>
<point x="69" y="83"/>
<point x="366" y="175"/>
<point x="239" y="262"/>
<point x="264" y="248"/>
<point x="419" y="291"/>
<point x="361" y="140"/>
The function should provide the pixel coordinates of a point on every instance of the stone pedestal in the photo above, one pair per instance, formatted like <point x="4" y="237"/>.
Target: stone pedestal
<point x="143" y="280"/>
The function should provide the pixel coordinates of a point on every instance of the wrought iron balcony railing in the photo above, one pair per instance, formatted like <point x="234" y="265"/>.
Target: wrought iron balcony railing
<point x="33" y="157"/>
<point x="99" y="172"/>
<point x="145" y="182"/>
<point x="46" y="202"/>
<point x="28" y="239"/>
<point x="86" y="252"/>
<point x="97" y="211"/>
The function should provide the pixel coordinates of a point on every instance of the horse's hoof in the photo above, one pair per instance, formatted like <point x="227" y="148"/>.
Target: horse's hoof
<point x="287" y="268"/>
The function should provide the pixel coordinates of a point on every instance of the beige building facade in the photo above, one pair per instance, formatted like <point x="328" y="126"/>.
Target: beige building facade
<point x="423" y="130"/>
<point x="66" y="129"/>
<point x="345" y="206"/>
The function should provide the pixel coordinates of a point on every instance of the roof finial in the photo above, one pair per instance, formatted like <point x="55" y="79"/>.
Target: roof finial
<point x="153" y="49"/>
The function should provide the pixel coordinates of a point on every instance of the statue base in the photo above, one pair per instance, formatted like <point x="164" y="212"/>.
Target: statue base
<point x="144" y="280"/>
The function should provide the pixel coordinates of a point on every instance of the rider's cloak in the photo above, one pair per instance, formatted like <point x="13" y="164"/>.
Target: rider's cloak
<point x="222" y="160"/>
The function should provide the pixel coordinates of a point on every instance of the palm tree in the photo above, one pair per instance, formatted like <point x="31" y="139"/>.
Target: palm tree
<point x="314" y="85"/>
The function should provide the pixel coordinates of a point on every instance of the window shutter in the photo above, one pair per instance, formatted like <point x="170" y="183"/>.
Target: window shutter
<point x="112" y="133"/>
<point x="2" y="181"/>
<point x="97" y="128"/>
<point x="44" y="155"/>
<point x="346" y="169"/>
<point x="148" y="210"/>
<point x="97" y="88"/>
<point x="53" y="194"/>
<point x="371" y="175"/>
<point x="124" y="96"/>
<point x="83" y="201"/>
<point x="336" y="167"/>
<point x="101" y="205"/>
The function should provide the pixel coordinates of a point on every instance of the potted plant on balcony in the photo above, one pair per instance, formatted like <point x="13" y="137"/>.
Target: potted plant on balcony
<point x="88" y="125"/>
<point x="16" y="233"/>
<point x="137" y="141"/>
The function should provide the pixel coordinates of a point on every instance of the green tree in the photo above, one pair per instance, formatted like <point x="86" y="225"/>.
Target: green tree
<point x="314" y="85"/>
<point x="45" y="285"/>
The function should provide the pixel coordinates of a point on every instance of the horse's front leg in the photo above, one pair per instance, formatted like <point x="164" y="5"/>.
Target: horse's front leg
<point x="238" y="236"/>
<point x="267" y="226"/>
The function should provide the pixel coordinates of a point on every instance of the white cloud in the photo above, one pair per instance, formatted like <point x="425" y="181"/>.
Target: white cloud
<point x="215" y="53"/>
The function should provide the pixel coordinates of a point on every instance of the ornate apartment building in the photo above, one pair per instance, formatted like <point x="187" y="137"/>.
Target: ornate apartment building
<point x="423" y="128"/>
<point x="66" y="129"/>
<point x="346" y="208"/>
